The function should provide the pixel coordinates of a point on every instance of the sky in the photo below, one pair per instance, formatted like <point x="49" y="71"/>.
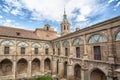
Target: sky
<point x="32" y="14"/>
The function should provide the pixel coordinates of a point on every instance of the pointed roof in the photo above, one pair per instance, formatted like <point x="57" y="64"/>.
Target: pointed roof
<point x="65" y="20"/>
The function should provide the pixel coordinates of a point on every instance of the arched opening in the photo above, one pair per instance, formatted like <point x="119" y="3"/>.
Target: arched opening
<point x="5" y="67"/>
<point x="77" y="72"/>
<point x="97" y="74"/>
<point x="65" y="69"/>
<point x="47" y="64"/>
<point x="22" y="65"/>
<point x="36" y="65"/>
<point x="57" y="66"/>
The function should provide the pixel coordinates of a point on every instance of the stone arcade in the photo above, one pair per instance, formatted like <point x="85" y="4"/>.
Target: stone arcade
<point x="92" y="53"/>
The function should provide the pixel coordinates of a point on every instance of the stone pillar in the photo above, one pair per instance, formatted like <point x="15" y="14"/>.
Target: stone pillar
<point x="110" y="48"/>
<point x="42" y="67"/>
<point x="61" y="49"/>
<point x="85" y="56"/>
<point x="111" y="61"/>
<point x="61" y="70"/>
<point x="70" y="72"/>
<point x="54" y="67"/>
<point x="29" y="69"/>
<point x="14" y="69"/>
<point x="71" y="50"/>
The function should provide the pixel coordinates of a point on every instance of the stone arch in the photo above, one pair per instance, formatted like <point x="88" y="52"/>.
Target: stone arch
<point x="97" y="38"/>
<point x="97" y="74"/>
<point x="36" y="44"/>
<point x="77" y="72"/>
<point x="7" y="42"/>
<point x="117" y="36"/>
<point x="22" y="66"/>
<point x="58" y="44"/>
<point x="23" y="44"/>
<point x="77" y="42"/>
<point x="6" y="66"/>
<point x="47" y="64"/>
<point x="66" y="43"/>
<point x="35" y="65"/>
<point x="65" y="69"/>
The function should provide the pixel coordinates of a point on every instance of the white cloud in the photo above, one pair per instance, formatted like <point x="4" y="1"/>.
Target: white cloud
<point x="118" y="4"/>
<point x="15" y="11"/>
<point x="53" y="9"/>
<point x="1" y="16"/>
<point x="110" y="1"/>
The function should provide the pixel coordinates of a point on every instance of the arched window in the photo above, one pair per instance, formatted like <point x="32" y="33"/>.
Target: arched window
<point x="117" y="36"/>
<point x="7" y="42"/>
<point x="36" y="45"/>
<point x="64" y="27"/>
<point x="77" y="42"/>
<point x="66" y="44"/>
<point x="46" y="45"/>
<point x="58" y="45"/>
<point x="23" y="44"/>
<point x="97" y="38"/>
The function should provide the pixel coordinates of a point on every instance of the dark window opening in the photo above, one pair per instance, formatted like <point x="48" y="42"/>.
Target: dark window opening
<point x="53" y="51"/>
<point x="36" y="51"/>
<point x="65" y="70"/>
<point x="78" y="52"/>
<point x="47" y="28"/>
<point x="64" y="27"/>
<point x="6" y="50"/>
<point x="18" y="33"/>
<point x="22" y="50"/>
<point x="97" y="53"/>
<point x="66" y="51"/>
<point x="58" y="51"/>
<point x="46" y="51"/>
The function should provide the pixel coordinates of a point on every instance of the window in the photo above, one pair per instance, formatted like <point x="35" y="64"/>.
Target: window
<point x="22" y="50"/>
<point x="64" y="27"/>
<point x="36" y="51"/>
<point x="53" y="51"/>
<point x="6" y="50"/>
<point x="97" y="53"/>
<point x="66" y="51"/>
<point x="77" y="42"/>
<point x="47" y="28"/>
<point x="97" y="38"/>
<point x="78" y="52"/>
<point x="46" y="51"/>
<point x="58" y="51"/>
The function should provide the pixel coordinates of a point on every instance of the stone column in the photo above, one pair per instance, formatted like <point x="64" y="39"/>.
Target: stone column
<point x="29" y="68"/>
<point x="14" y="69"/>
<point x="42" y="67"/>
<point x="54" y="67"/>
<point x="85" y="56"/>
<point x="71" y="50"/>
<point x="110" y="48"/>
<point x="70" y="72"/>
<point x="111" y="61"/>
<point x="61" y="70"/>
<point x="61" y="49"/>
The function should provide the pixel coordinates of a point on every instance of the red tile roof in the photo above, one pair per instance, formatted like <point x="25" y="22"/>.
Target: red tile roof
<point x="16" y="32"/>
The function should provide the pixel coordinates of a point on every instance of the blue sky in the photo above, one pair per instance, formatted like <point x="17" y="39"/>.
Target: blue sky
<point x="32" y="14"/>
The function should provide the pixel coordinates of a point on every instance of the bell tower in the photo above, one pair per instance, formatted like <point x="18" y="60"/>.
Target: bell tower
<point x="65" y="25"/>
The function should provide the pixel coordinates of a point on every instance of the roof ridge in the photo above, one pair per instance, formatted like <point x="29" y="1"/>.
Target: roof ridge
<point x="16" y="28"/>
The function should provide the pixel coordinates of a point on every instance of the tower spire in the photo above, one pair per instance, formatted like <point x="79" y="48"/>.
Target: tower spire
<point x="65" y="26"/>
<point x="64" y="11"/>
<point x="65" y="16"/>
